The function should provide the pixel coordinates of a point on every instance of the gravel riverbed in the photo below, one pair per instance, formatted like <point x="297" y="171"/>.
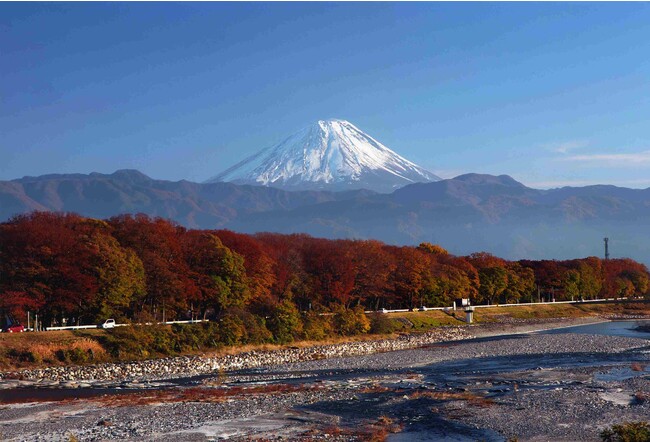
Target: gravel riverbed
<point x="460" y="389"/>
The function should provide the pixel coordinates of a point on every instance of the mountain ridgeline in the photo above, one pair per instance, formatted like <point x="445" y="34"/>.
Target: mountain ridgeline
<point x="464" y="214"/>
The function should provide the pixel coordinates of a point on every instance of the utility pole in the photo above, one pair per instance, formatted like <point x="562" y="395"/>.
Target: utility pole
<point x="606" y="248"/>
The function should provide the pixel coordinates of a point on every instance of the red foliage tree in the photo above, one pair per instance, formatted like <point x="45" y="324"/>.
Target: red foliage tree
<point x="259" y="264"/>
<point x="156" y="242"/>
<point x="47" y="257"/>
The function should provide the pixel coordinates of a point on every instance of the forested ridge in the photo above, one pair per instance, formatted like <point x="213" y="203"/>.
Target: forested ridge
<point x="133" y="267"/>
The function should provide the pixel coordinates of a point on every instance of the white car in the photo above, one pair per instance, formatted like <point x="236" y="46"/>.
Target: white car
<point x="109" y="323"/>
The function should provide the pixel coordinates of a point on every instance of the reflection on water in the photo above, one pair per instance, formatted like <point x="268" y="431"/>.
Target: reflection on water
<point x="613" y="328"/>
<point x="36" y="394"/>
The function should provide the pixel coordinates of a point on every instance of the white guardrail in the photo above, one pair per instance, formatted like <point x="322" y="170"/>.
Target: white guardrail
<point x="80" y="327"/>
<point x="586" y="301"/>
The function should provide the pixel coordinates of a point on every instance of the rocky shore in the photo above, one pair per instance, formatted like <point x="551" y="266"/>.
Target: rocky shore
<point x="188" y="366"/>
<point x="145" y="373"/>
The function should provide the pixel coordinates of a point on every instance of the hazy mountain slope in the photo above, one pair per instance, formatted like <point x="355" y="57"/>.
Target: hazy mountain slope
<point x="129" y="191"/>
<point x="465" y="214"/>
<point x="482" y="212"/>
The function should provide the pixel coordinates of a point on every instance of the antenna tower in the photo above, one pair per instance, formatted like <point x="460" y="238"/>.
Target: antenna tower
<point x="606" y="248"/>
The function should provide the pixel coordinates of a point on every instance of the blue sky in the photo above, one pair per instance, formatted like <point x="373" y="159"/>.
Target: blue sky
<point x="553" y="94"/>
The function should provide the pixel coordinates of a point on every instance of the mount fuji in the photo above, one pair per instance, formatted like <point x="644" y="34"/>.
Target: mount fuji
<point x="328" y="155"/>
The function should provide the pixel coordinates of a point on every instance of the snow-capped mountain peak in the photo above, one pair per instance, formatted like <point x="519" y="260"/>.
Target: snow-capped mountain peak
<point x="329" y="154"/>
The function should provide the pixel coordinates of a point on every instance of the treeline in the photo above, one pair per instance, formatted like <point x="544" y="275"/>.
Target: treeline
<point x="63" y="266"/>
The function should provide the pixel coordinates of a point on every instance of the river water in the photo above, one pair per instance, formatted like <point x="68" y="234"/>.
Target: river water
<point x="629" y="329"/>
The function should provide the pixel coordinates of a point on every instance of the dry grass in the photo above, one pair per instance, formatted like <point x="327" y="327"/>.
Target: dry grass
<point x="377" y="389"/>
<point x="53" y="348"/>
<point x="633" y="308"/>
<point x="637" y="366"/>
<point x="433" y="318"/>
<point x="550" y="310"/>
<point x="374" y="431"/>
<point x="497" y="314"/>
<point x="88" y="344"/>
<point x="470" y="398"/>
<point x="384" y="426"/>
<point x="7" y="339"/>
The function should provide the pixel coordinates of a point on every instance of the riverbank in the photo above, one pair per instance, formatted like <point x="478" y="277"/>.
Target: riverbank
<point x="463" y="390"/>
<point x="141" y="374"/>
<point x="25" y="351"/>
<point x="137" y="372"/>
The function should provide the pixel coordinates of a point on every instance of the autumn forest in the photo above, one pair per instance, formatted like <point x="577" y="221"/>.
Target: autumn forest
<point x="81" y="270"/>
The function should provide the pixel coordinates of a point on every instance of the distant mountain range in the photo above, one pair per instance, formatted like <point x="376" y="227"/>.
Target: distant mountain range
<point x="465" y="214"/>
<point x="328" y="155"/>
<point x="130" y="191"/>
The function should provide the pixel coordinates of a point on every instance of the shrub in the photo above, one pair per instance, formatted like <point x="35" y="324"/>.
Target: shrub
<point x="23" y="355"/>
<point x="316" y="327"/>
<point x="284" y="322"/>
<point x="189" y="337"/>
<point x="73" y="355"/>
<point x="129" y="342"/>
<point x="627" y="432"/>
<point x="94" y="351"/>
<point x="348" y="322"/>
<point x="239" y="326"/>
<point x="256" y="330"/>
<point x="162" y="338"/>
<point x="382" y="324"/>
<point x="210" y="334"/>
<point x="232" y="330"/>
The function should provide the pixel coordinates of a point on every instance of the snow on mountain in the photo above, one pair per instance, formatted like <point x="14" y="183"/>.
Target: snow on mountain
<point x="329" y="154"/>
